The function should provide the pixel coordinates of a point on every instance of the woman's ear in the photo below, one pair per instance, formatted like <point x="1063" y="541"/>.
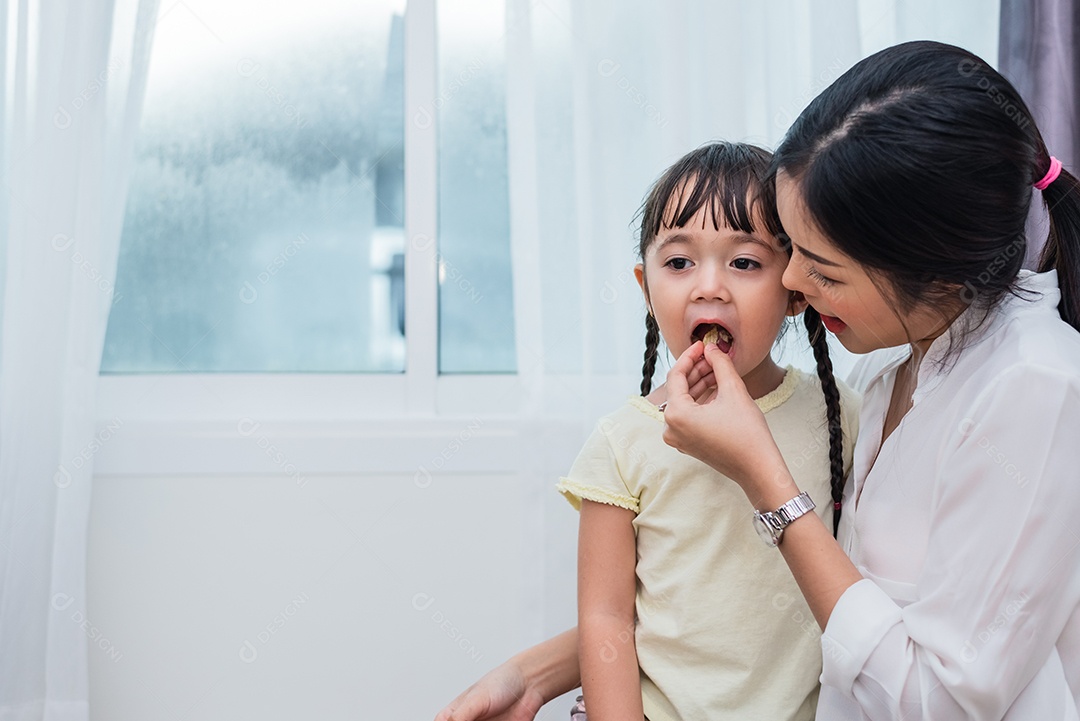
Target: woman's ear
<point x="639" y="273"/>
<point x="797" y="304"/>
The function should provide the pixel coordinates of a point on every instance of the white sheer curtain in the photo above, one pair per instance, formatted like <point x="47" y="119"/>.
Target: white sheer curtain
<point x="603" y="95"/>
<point x="75" y="75"/>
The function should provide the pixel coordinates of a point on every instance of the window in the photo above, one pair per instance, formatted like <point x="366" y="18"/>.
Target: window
<point x="264" y="229"/>
<point x="265" y="226"/>
<point x="476" y="314"/>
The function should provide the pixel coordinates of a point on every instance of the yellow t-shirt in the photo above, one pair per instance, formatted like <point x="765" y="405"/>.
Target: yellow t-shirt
<point x="722" y="629"/>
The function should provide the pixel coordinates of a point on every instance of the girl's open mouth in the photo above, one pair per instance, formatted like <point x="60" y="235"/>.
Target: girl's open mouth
<point x="714" y="333"/>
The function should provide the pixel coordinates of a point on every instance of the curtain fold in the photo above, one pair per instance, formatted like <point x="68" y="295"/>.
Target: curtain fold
<point x="1038" y="54"/>
<point x="603" y="96"/>
<point x="68" y="135"/>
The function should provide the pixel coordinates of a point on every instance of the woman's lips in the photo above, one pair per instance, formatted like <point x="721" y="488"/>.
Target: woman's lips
<point x="834" y="324"/>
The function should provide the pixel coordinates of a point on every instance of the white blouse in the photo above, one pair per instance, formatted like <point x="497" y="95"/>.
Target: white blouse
<point x="966" y="530"/>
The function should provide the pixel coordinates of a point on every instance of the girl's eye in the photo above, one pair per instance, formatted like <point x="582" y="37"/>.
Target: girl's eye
<point x="813" y="273"/>
<point x="745" y="263"/>
<point x="678" y="263"/>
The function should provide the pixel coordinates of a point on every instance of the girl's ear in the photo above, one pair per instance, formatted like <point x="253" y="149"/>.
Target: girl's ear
<point x="797" y="304"/>
<point x="639" y="273"/>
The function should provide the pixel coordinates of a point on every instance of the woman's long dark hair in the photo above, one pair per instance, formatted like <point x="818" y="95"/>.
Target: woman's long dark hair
<point x="918" y="163"/>
<point x="732" y="180"/>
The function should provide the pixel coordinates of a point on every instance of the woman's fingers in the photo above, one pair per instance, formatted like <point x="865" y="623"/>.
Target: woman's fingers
<point x="695" y="371"/>
<point x="724" y="427"/>
<point x="722" y="367"/>
<point x="699" y="371"/>
<point x="469" y="706"/>
<point x="702" y="381"/>
<point x="678" y="378"/>
<point x="694" y="375"/>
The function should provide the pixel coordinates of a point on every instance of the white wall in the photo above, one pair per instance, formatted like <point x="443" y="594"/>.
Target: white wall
<point x="323" y="595"/>
<point x="246" y="567"/>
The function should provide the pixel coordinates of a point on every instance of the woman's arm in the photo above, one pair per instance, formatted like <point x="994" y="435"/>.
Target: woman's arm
<point x="517" y="689"/>
<point x="1000" y="581"/>
<point x="985" y="635"/>
<point x="607" y="556"/>
<point x="729" y="433"/>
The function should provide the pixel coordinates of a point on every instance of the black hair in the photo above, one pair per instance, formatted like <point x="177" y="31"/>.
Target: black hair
<point x="732" y="180"/>
<point x="918" y="163"/>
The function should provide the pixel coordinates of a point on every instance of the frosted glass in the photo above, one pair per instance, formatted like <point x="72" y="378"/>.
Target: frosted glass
<point x="264" y="227"/>
<point x="476" y="310"/>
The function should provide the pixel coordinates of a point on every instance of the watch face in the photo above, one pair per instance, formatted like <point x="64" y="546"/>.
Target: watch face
<point x="768" y="534"/>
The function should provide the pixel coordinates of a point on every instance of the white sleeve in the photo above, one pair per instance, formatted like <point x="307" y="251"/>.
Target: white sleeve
<point x="1002" y="570"/>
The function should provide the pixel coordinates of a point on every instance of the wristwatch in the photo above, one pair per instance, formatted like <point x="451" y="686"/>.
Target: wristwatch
<point x="770" y="525"/>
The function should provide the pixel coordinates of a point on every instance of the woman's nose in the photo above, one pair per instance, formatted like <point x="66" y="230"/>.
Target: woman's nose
<point x="794" y="277"/>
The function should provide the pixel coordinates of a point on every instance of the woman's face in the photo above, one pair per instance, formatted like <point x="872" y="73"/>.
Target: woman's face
<point x="849" y="299"/>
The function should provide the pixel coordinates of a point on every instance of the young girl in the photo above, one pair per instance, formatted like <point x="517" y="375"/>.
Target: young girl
<point x="683" y="612"/>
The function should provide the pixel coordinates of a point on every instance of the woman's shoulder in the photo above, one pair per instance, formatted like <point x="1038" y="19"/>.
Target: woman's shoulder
<point x="1039" y="341"/>
<point x="1028" y="337"/>
<point x="1025" y="357"/>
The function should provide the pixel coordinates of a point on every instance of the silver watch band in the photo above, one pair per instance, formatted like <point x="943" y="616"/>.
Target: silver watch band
<point x="794" y="508"/>
<point x="771" y="524"/>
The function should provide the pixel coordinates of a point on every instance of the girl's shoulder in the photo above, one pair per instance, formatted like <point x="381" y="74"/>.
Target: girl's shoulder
<point x="806" y="388"/>
<point x="807" y="409"/>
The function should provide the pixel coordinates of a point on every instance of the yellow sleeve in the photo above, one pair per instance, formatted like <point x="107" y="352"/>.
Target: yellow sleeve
<point x="597" y="473"/>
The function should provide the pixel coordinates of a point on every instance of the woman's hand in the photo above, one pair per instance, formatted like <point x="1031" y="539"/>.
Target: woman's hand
<point x="501" y="695"/>
<point x="701" y="381"/>
<point x="516" y="690"/>
<point x="726" y="430"/>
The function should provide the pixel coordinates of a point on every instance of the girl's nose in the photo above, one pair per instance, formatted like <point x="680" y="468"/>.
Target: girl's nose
<point x="712" y="285"/>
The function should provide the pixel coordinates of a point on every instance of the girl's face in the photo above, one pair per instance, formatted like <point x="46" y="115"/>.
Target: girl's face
<point x="849" y="300"/>
<point x="697" y="275"/>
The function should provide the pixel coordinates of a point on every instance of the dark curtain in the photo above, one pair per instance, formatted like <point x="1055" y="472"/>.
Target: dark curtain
<point x="1038" y="53"/>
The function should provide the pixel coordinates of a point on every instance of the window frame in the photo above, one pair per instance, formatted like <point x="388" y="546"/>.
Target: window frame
<point x="184" y="402"/>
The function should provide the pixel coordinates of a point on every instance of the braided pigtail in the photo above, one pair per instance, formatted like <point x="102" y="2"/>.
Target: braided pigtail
<point x="816" y="331"/>
<point x="652" y="343"/>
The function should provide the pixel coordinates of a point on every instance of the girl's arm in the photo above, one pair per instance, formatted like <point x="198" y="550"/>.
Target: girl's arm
<point x="607" y="556"/>
<point x="517" y="689"/>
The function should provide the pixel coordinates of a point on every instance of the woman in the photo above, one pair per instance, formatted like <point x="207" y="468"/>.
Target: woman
<point x="955" y="588"/>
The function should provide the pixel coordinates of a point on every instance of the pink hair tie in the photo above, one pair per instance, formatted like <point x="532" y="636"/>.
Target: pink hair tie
<point x="1051" y="174"/>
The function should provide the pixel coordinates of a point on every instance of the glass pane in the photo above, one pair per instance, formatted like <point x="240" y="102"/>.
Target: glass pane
<point x="476" y="310"/>
<point x="265" y="221"/>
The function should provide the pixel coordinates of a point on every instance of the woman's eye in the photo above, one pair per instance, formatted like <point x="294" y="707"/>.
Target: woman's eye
<point x="745" y="263"/>
<point x="678" y="263"/>
<point x="813" y="273"/>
